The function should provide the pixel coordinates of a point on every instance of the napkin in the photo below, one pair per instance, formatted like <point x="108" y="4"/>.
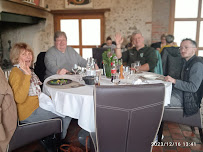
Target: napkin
<point x="137" y="81"/>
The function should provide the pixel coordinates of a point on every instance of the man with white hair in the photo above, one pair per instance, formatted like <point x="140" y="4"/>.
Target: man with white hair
<point x="187" y="92"/>
<point x="60" y="58"/>
<point x="139" y="52"/>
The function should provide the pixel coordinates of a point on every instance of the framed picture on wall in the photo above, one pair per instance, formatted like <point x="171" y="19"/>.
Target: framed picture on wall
<point x="75" y="4"/>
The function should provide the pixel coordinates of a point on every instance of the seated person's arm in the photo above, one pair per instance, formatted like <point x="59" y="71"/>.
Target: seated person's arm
<point x="119" y="41"/>
<point x="20" y="85"/>
<point x="144" y="67"/>
<point x="50" y="63"/>
<point x="80" y="60"/>
<point x="196" y="75"/>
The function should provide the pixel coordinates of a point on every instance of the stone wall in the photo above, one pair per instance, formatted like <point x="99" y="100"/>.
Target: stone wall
<point x="160" y="18"/>
<point x="124" y="17"/>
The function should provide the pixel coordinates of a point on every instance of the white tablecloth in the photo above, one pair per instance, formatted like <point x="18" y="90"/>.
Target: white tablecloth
<point x="78" y="102"/>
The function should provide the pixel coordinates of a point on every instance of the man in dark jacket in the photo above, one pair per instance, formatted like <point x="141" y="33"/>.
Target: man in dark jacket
<point x="187" y="92"/>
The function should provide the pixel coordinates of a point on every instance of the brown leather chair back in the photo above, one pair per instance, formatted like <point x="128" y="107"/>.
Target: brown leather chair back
<point x="128" y="117"/>
<point x="30" y="132"/>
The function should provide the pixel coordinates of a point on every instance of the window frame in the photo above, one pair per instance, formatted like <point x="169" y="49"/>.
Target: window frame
<point x="80" y="14"/>
<point x="198" y="19"/>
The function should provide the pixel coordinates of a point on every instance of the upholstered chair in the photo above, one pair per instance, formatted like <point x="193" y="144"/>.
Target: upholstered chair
<point x="127" y="117"/>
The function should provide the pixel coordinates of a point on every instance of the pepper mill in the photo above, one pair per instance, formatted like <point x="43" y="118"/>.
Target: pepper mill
<point x="121" y="72"/>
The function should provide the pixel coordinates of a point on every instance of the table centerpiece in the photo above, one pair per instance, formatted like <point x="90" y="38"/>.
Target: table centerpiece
<point x="108" y="58"/>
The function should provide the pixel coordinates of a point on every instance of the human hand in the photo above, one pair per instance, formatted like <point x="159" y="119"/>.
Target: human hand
<point x="96" y="66"/>
<point x="25" y="67"/>
<point x="170" y="79"/>
<point x="118" y="39"/>
<point x="62" y="71"/>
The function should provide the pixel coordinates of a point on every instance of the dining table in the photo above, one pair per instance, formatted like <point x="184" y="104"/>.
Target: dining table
<point x="76" y="99"/>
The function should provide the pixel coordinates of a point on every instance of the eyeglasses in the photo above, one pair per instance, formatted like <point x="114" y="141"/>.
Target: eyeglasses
<point x="61" y="40"/>
<point x="185" y="48"/>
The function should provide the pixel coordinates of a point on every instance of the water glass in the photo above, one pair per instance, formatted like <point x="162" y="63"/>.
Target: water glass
<point x="137" y="65"/>
<point x="82" y="73"/>
<point x="132" y="68"/>
<point x="126" y="73"/>
<point x="97" y="77"/>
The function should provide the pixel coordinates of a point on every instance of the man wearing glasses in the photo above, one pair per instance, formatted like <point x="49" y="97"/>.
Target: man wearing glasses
<point x="60" y="58"/>
<point x="187" y="92"/>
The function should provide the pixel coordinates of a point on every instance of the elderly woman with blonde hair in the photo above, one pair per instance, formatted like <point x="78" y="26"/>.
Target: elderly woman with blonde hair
<point x="27" y="92"/>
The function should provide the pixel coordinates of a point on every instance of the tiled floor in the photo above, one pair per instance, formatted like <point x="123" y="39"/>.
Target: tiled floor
<point x="176" y="139"/>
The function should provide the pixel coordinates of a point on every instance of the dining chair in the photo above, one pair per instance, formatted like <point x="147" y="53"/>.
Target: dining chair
<point x="97" y="54"/>
<point x="39" y="67"/>
<point x="171" y="62"/>
<point x="127" y="117"/>
<point x="175" y="114"/>
<point x="30" y="132"/>
<point x="158" y="68"/>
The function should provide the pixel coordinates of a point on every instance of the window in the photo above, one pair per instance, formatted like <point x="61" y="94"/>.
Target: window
<point x="84" y="29"/>
<point x="187" y="21"/>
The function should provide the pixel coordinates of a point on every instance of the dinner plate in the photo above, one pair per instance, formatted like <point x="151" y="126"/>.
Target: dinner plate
<point x="151" y="77"/>
<point x="59" y="81"/>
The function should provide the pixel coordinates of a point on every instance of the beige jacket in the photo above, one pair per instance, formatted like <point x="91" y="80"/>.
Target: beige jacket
<point x="8" y="113"/>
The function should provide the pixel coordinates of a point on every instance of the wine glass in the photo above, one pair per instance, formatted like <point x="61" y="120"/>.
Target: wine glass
<point x="137" y="65"/>
<point x="75" y="68"/>
<point x="82" y="73"/>
<point x="132" y="68"/>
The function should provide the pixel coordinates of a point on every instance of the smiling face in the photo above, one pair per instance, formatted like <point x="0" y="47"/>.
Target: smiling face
<point x="26" y="57"/>
<point x="138" y="41"/>
<point x="187" y="49"/>
<point x="61" y="43"/>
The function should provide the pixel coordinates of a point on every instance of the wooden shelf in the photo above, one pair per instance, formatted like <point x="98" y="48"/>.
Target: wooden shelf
<point x="27" y="4"/>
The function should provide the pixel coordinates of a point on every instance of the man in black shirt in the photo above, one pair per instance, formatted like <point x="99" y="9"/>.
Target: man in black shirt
<point x="140" y="52"/>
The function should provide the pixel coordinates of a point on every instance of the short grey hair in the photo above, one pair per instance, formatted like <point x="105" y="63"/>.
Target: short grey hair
<point x="136" y="32"/>
<point x="58" y="34"/>
<point x="169" y="38"/>
<point x="191" y="41"/>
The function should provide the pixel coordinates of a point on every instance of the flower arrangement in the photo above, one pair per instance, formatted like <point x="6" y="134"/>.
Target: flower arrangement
<point x="108" y="57"/>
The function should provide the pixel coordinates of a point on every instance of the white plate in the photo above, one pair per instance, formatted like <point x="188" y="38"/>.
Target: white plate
<point x="150" y="77"/>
